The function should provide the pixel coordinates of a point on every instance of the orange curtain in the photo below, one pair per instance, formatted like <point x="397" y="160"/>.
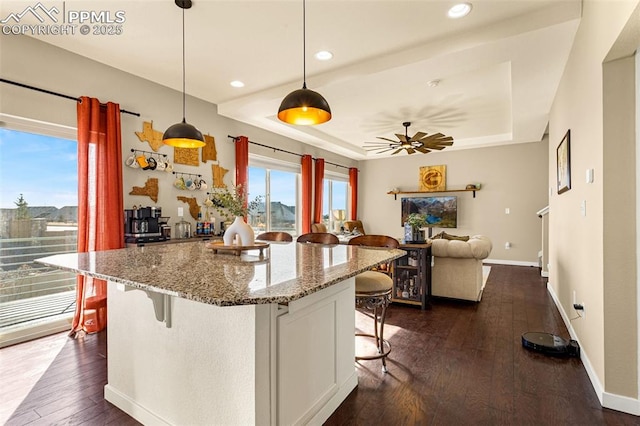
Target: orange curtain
<point x="242" y="164"/>
<point x="353" y="186"/>
<point x="307" y="188"/>
<point x="318" y="185"/>
<point x="100" y="203"/>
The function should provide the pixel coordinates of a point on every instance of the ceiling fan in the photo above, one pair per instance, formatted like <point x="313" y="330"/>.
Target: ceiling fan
<point x="420" y="142"/>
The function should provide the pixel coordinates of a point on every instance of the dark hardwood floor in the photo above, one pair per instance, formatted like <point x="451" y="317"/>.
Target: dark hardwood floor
<point x="458" y="363"/>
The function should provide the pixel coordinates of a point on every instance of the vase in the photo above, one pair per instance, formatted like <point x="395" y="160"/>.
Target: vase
<point x="239" y="227"/>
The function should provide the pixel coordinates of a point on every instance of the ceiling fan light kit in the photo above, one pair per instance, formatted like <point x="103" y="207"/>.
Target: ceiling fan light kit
<point x="304" y="106"/>
<point x="183" y="135"/>
<point x="420" y="142"/>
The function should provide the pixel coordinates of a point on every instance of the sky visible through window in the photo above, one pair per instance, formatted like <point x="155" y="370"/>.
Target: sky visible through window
<point x="42" y="168"/>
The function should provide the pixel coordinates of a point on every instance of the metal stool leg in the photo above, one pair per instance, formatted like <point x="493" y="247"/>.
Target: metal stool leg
<point x="373" y="302"/>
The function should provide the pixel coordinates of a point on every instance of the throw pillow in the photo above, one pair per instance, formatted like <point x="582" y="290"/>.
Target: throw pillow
<point x="455" y="237"/>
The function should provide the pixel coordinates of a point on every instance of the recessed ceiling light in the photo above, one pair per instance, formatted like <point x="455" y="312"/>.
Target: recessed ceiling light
<point x="237" y="83"/>
<point x="459" y="10"/>
<point x="324" y="55"/>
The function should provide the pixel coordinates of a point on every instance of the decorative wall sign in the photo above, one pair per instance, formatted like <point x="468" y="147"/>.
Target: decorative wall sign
<point x="209" y="151"/>
<point x="148" y="134"/>
<point x="433" y="178"/>
<point x="188" y="156"/>
<point x="150" y="189"/>
<point x="563" y="158"/>
<point x="194" y="208"/>
<point x="218" y="176"/>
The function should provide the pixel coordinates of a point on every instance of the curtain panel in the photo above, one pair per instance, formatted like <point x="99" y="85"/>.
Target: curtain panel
<point x="100" y="203"/>
<point x="242" y="164"/>
<point x="307" y="188"/>
<point x="353" y="190"/>
<point x="318" y="185"/>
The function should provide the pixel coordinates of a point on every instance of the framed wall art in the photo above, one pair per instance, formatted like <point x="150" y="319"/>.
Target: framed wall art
<point x="433" y="178"/>
<point x="563" y="158"/>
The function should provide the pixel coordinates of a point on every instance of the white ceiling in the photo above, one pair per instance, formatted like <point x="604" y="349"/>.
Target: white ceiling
<point x="498" y="67"/>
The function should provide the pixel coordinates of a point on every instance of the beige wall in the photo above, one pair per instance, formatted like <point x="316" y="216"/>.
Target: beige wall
<point x="594" y="255"/>
<point x="29" y="61"/>
<point x="512" y="177"/>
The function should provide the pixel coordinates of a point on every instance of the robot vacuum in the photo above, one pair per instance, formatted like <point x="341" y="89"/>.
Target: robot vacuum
<point x="550" y="344"/>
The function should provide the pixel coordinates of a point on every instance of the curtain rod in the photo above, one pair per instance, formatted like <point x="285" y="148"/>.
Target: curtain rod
<point x="49" y="92"/>
<point x="235" y="138"/>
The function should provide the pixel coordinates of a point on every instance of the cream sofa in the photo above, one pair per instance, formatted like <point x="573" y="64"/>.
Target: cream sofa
<point x="457" y="267"/>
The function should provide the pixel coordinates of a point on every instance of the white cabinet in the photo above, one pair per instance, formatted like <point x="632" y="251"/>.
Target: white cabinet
<point x="251" y="364"/>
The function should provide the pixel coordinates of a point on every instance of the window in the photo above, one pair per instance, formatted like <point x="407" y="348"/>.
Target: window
<point x="38" y="217"/>
<point x="334" y="202"/>
<point x="278" y="187"/>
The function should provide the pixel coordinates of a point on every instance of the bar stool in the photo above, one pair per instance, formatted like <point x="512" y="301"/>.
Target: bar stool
<point x="318" y="238"/>
<point x="373" y="292"/>
<point x="95" y="313"/>
<point x="275" y="236"/>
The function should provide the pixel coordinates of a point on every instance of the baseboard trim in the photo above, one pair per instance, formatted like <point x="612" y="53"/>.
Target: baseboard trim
<point x="511" y="262"/>
<point x="132" y="408"/>
<point x="607" y="400"/>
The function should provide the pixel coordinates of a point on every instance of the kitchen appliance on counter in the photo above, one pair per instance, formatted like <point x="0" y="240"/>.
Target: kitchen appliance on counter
<point x="143" y="225"/>
<point x="165" y="228"/>
<point x="183" y="229"/>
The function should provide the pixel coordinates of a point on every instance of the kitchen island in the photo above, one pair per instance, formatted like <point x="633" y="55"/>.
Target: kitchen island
<point x="202" y="338"/>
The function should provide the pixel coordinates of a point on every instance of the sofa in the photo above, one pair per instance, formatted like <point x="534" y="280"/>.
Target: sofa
<point x="457" y="266"/>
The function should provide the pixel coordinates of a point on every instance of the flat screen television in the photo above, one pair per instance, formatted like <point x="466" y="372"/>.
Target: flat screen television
<point x="439" y="212"/>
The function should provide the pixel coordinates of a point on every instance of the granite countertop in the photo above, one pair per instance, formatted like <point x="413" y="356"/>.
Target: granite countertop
<point x="288" y="271"/>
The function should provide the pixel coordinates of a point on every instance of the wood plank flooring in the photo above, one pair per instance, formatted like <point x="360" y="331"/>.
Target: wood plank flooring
<point x="458" y="363"/>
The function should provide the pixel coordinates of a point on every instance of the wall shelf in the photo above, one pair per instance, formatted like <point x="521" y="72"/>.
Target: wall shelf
<point x="395" y="193"/>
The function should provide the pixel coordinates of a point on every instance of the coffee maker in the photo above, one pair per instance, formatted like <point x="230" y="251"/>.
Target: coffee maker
<point x="141" y="225"/>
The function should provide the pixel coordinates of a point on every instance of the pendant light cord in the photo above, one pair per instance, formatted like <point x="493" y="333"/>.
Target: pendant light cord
<point x="184" y="108"/>
<point x="304" y="45"/>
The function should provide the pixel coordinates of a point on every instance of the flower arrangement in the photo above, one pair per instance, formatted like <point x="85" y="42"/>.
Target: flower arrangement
<point x="233" y="202"/>
<point x="416" y="220"/>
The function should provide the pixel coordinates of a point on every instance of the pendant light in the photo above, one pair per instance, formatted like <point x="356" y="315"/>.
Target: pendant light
<point x="304" y="106"/>
<point x="183" y="135"/>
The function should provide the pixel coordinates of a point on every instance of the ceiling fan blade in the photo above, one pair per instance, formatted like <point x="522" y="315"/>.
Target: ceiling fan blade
<point x="423" y="150"/>
<point x="418" y="136"/>
<point x="396" y="151"/>
<point x="379" y="144"/>
<point x="385" y="150"/>
<point x="410" y="150"/>
<point x="387" y="139"/>
<point x="402" y="137"/>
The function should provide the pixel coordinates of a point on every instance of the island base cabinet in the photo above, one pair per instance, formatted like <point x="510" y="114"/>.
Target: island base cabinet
<point x="249" y="364"/>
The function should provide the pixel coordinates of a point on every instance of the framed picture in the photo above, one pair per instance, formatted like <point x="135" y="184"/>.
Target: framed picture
<point x="563" y="156"/>
<point x="433" y="178"/>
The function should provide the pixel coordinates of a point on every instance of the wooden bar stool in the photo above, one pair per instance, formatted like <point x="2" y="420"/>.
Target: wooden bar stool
<point x="373" y="292"/>
<point x="318" y="238"/>
<point x="275" y="236"/>
<point x="95" y="313"/>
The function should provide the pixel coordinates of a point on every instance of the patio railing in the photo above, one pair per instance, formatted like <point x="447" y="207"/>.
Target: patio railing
<point x="30" y="291"/>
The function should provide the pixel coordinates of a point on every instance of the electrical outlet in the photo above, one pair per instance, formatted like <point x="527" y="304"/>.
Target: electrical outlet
<point x="507" y="245"/>
<point x="573" y="301"/>
<point x="507" y="210"/>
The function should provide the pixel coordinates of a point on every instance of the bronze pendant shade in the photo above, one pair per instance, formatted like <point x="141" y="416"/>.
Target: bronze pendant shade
<point x="183" y="135"/>
<point x="304" y="106"/>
